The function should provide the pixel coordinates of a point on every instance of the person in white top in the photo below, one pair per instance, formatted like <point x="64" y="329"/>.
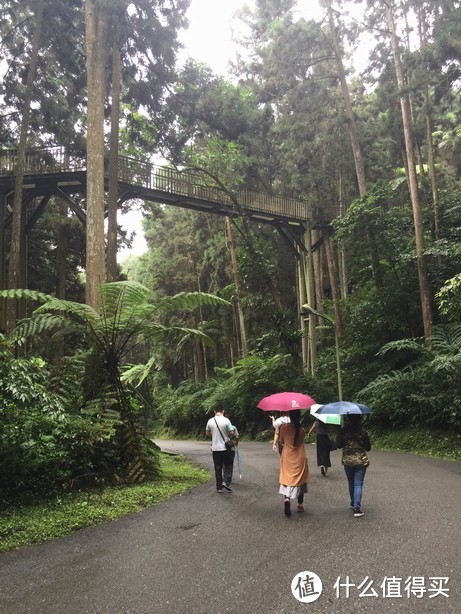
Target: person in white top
<point x="277" y="423"/>
<point x="220" y="429"/>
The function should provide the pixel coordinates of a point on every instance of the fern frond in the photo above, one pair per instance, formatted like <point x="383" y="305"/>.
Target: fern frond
<point x="138" y="373"/>
<point x="404" y="376"/>
<point x="30" y="295"/>
<point x="189" y="300"/>
<point x="44" y="324"/>
<point x="447" y="363"/>
<point x="447" y="336"/>
<point x="121" y="297"/>
<point x="79" y="310"/>
<point x="416" y="344"/>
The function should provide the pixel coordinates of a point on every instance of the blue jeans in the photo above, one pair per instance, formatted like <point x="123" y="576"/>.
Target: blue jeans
<point x="355" y="476"/>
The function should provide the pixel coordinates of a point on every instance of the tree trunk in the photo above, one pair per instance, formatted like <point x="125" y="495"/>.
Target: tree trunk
<point x="199" y="361"/>
<point x="238" y="289"/>
<point x="112" y="271"/>
<point x="61" y="252"/>
<point x="310" y="294"/>
<point x="355" y="141"/>
<point x="422" y="27"/>
<point x="412" y="178"/>
<point x="96" y="45"/>
<point x="17" y="221"/>
<point x="351" y="124"/>
<point x="334" y="283"/>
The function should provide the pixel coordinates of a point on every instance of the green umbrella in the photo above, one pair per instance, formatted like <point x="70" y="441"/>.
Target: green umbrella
<point x="326" y="418"/>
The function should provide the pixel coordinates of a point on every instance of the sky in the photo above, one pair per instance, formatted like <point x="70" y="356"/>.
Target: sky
<point x="209" y="36"/>
<point x="209" y="40"/>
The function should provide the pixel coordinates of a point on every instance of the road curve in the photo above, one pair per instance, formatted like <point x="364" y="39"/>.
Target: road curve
<point x="204" y="553"/>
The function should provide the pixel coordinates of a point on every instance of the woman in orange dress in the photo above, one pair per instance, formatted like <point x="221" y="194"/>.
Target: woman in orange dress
<point x="294" y="468"/>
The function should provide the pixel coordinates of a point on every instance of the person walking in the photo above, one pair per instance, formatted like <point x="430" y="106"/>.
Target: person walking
<point x="220" y="430"/>
<point x="355" y="442"/>
<point x="294" y="467"/>
<point x="322" y="446"/>
<point x="228" y="468"/>
<point x="277" y="424"/>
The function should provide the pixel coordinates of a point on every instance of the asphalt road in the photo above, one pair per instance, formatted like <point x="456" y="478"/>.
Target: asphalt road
<point x="206" y="553"/>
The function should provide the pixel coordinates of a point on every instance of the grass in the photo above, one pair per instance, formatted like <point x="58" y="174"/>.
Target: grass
<point x="21" y="526"/>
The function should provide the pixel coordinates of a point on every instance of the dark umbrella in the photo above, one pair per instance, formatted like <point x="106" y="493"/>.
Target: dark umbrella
<point x="344" y="407"/>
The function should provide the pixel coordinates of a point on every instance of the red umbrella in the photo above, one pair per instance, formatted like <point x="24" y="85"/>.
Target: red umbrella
<point x="286" y="401"/>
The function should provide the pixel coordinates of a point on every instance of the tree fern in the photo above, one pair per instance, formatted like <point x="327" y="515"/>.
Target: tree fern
<point x="127" y="316"/>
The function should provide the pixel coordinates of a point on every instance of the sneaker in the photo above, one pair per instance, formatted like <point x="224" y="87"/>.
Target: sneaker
<point x="218" y="490"/>
<point x="287" y="509"/>
<point x="300" y="508"/>
<point x="227" y="487"/>
<point x="358" y="513"/>
<point x="322" y="469"/>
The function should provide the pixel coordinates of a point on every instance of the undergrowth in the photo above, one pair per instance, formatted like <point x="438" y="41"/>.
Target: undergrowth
<point x="444" y="445"/>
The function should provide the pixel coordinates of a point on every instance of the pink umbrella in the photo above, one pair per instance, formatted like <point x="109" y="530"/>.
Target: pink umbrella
<point x="285" y="401"/>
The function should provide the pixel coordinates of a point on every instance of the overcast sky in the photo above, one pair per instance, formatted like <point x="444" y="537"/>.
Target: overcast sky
<point x="209" y="40"/>
<point x="209" y="36"/>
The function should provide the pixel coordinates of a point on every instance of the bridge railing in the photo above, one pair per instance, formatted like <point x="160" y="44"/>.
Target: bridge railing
<point x="191" y="184"/>
<point x="42" y="160"/>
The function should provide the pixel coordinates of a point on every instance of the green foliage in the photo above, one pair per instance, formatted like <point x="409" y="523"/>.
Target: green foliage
<point x="424" y="392"/>
<point x="441" y="443"/>
<point x="43" y="447"/>
<point x="449" y="298"/>
<point x="101" y="441"/>
<point x="185" y="410"/>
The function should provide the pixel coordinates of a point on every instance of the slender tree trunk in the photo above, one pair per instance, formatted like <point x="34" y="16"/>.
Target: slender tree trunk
<point x="17" y="221"/>
<point x="96" y="45"/>
<point x="412" y="178"/>
<point x="334" y="284"/>
<point x="3" y="203"/>
<point x="201" y="352"/>
<point x="112" y="271"/>
<point x="310" y="293"/>
<point x="355" y="141"/>
<point x="422" y="27"/>
<point x="432" y="171"/>
<point x="61" y="251"/>
<point x="238" y="288"/>
<point x="342" y="261"/>
<point x="199" y="361"/>
<point x="351" y="123"/>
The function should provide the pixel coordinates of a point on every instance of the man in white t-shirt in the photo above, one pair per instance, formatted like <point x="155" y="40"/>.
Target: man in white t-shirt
<point x="220" y="430"/>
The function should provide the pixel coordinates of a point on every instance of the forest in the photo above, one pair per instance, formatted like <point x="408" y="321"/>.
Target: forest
<point x="363" y="302"/>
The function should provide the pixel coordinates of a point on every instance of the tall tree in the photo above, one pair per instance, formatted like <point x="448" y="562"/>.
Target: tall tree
<point x="96" y="20"/>
<point x="17" y="221"/>
<point x="353" y="134"/>
<point x="412" y="178"/>
<point x="112" y="198"/>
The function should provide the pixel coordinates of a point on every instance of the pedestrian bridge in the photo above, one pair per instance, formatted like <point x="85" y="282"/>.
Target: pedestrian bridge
<point x="54" y="171"/>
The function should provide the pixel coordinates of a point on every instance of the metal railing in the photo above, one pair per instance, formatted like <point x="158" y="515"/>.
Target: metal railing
<point x="191" y="184"/>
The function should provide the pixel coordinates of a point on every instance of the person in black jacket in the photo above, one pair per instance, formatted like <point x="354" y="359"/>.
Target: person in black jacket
<point x="355" y="442"/>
